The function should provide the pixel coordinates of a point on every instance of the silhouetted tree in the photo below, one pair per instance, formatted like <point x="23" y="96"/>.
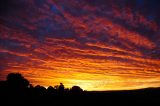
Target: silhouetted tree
<point x="51" y="90"/>
<point x="61" y="88"/>
<point x="16" y="80"/>
<point x="56" y="87"/>
<point x="40" y="90"/>
<point x="76" y="89"/>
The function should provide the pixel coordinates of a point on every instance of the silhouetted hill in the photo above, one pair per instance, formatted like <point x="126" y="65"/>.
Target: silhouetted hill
<point x="17" y="90"/>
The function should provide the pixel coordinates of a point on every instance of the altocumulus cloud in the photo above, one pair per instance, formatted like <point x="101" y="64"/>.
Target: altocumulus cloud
<point x="112" y="43"/>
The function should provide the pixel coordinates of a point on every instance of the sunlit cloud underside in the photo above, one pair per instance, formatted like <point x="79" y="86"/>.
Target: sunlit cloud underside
<point x="97" y="45"/>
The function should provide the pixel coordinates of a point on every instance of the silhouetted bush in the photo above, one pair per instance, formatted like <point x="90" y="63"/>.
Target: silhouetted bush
<point x="76" y="89"/>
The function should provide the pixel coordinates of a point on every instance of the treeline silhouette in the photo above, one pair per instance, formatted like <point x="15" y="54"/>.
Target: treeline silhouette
<point x="16" y="90"/>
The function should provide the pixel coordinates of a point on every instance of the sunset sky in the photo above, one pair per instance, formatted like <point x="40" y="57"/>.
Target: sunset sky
<point x="95" y="44"/>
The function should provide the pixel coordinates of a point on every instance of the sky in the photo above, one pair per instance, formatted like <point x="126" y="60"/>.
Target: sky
<point x="95" y="44"/>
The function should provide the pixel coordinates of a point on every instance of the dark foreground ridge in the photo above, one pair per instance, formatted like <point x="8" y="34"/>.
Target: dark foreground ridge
<point x="17" y="90"/>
